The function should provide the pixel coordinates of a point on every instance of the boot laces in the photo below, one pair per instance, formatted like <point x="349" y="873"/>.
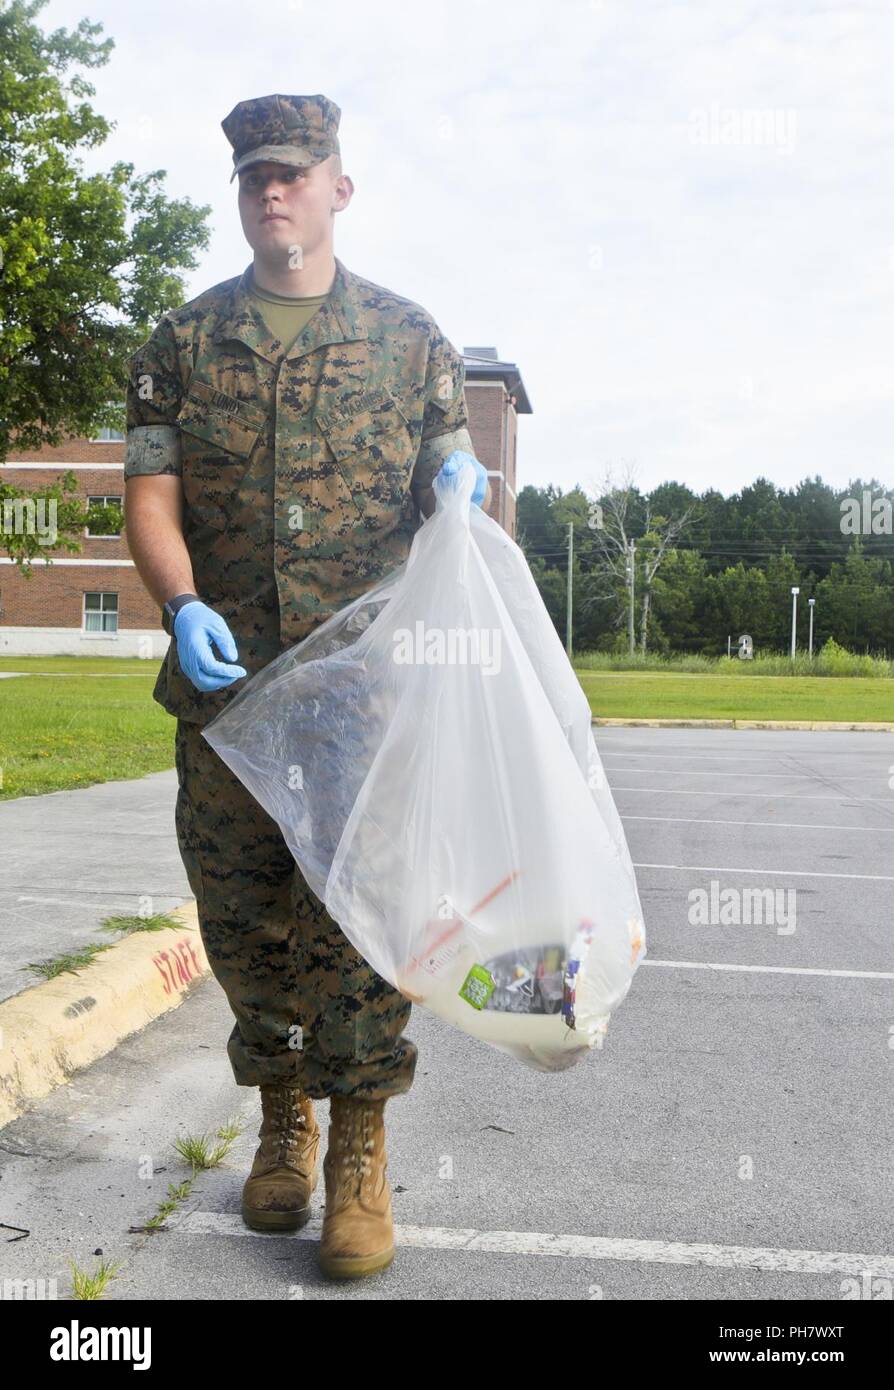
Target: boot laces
<point x="356" y="1147"/>
<point x="289" y="1118"/>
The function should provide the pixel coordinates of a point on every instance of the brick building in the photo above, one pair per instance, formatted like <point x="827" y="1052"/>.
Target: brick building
<point x="95" y="604"/>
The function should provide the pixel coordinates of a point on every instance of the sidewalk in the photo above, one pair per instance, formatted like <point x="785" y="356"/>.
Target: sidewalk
<point x="68" y="860"/>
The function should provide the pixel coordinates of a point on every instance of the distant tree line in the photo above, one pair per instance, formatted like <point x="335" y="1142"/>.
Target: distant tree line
<point x="707" y="567"/>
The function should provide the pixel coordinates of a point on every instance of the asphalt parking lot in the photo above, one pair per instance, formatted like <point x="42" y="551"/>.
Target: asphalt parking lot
<point x="732" y="1139"/>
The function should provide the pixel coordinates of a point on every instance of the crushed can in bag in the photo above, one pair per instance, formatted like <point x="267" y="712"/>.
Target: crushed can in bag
<point x="428" y="755"/>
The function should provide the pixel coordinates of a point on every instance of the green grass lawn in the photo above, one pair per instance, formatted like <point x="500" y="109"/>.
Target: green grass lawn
<point x="656" y="695"/>
<point x="83" y="665"/>
<point x="92" y="719"/>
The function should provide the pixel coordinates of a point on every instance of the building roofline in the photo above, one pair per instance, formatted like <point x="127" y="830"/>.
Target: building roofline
<point x="491" y="369"/>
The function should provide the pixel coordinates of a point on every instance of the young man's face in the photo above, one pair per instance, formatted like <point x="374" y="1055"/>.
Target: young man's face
<point x="283" y="207"/>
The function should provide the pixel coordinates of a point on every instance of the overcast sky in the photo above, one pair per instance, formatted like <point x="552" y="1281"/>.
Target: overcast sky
<point x="676" y="218"/>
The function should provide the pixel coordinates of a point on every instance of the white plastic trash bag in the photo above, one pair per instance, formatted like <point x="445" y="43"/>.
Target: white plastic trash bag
<point x="428" y="755"/>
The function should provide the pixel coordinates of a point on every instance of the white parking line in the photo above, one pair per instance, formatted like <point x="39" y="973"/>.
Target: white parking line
<point x="792" y="776"/>
<point x="767" y="824"/>
<point x="784" y="873"/>
<point x="731" y="793"/>
<point x="724" y="757"/>
<point x="470" y="1241"/>
<point x="771" y="969"/>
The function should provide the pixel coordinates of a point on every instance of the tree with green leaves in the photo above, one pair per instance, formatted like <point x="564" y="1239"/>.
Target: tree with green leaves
<point x="88" y="262"/>
<point x="732" y="572"/>
<point x="855" y="602"/>
<point x="634" y="532"/>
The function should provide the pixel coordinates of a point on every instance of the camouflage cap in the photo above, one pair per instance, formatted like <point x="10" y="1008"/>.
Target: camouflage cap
<point x="287" y="129"/>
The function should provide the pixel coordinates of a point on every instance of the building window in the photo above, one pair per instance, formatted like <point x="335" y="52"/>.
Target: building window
<point x="100" y="612"/>
<point x="105" y="501"/>
<point x="107" y="435"/>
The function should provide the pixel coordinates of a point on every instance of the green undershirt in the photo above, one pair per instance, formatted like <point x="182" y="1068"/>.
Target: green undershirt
<point x="285" y="314"/>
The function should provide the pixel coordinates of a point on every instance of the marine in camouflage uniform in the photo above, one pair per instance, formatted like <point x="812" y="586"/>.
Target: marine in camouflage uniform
<point x="303" y="472"/>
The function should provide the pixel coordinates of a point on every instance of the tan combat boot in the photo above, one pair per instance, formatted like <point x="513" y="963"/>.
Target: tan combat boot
<point x="276" y="1195"/>
<point x="358" y="1231"/>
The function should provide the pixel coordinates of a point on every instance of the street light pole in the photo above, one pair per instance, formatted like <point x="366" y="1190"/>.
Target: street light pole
<point x="795" y="593"/>
<point x="631" y="583"/>
<point x="811" y="602"/>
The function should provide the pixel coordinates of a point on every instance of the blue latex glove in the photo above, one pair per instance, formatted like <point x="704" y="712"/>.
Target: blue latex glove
<point x="454" y="462"/>
<point x="194" y="628"/>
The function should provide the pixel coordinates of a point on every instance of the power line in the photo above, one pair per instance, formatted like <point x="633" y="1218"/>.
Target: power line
<point x="770" y="554"/>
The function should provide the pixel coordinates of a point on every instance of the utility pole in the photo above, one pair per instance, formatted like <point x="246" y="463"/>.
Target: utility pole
<point x="568" y="600"/>
<point x="631" y="581"/>
<point x="795" y="592"/>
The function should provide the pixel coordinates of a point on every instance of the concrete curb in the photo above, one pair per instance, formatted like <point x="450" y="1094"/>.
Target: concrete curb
<point x="744" y="724"/>
<point x="53" y="1029"/>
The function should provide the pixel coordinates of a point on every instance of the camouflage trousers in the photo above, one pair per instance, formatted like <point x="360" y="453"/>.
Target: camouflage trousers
<point x="309" y="1009"/>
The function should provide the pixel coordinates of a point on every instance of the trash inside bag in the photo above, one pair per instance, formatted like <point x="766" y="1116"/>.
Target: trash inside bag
<point x="428" y="755"/>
